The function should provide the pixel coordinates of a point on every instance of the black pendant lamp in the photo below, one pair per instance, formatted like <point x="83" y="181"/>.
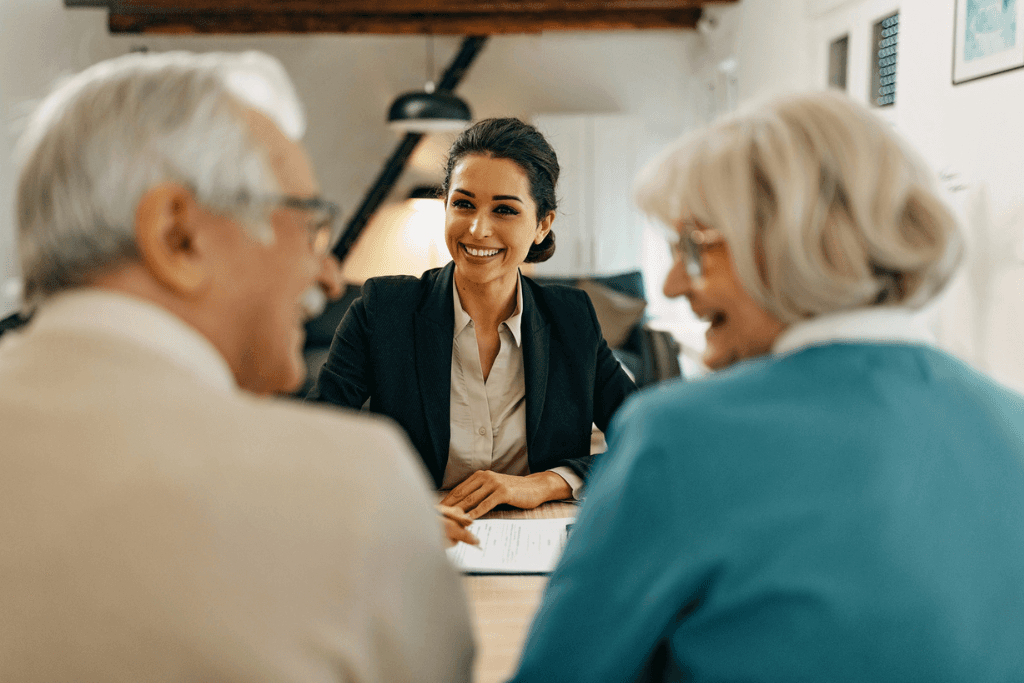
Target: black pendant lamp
<point x="427" y="111"/>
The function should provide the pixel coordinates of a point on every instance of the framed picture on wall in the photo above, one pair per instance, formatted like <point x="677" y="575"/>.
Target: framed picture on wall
<point x="989" y="38"/>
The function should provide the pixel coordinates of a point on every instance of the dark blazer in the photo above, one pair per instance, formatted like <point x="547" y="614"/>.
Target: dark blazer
<point x="394" y="346"/>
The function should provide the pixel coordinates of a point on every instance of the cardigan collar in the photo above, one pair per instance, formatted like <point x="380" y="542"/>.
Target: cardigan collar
<point x="876" y="324"/>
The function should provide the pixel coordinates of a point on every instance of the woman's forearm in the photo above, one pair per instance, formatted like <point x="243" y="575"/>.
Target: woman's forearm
<point x="553" y="486"/>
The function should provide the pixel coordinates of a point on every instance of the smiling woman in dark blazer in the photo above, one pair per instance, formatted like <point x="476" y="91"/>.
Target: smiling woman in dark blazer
<point x="496" y="379"/>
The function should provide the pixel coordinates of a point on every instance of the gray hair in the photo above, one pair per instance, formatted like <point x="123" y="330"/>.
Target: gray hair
<point x="822" y="207"/>
<point x="107" y="135"/>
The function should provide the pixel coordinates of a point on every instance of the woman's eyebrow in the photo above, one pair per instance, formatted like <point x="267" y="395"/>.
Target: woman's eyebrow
<point x="496" y="198"/>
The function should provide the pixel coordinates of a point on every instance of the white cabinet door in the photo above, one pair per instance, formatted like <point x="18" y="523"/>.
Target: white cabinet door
<point x="617" y="225"/>
<point x="597" y="229"/>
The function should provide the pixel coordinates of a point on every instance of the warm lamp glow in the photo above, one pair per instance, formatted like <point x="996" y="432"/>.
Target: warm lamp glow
<point x="402" y="239"/>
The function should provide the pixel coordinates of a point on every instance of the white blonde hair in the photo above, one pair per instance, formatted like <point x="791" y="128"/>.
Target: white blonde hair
<point x="107" y="135"/>
<point x="822" y="207"/>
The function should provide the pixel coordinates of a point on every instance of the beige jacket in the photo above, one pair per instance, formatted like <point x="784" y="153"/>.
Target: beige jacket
<point x="159" y="524"/>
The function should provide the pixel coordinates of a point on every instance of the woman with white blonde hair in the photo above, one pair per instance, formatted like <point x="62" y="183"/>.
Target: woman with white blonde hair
<point x="820" y="209"/>
<point x="842" y="501"/>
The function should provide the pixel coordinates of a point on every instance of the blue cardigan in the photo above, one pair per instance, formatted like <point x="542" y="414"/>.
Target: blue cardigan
<point x="849" y="512"/>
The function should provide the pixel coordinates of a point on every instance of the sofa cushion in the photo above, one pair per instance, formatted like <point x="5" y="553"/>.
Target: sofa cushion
<point x="617" y="313"/>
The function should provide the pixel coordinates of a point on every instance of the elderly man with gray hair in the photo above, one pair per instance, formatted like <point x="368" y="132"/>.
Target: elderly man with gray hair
<point x="160" y="520"/>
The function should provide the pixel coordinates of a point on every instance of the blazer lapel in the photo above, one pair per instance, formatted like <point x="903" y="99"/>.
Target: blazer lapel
<point x="536" y="351"/>
<point x="435" y="321"/>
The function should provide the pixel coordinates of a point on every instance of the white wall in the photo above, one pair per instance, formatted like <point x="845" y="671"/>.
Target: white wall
<point x="348" y="82"/>
<point x="772" y="48"/>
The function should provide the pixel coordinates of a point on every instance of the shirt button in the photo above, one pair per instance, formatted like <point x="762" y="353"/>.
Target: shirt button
<point x="483" y="431"/>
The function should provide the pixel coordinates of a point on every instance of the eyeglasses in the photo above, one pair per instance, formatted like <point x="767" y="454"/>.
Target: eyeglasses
<point x="689" y="244"/>
<point x="322" y="225"/>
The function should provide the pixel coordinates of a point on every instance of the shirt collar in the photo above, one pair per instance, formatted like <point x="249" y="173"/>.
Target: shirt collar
<point x="141" y="322"/>
<point x="878" y="324"/>
<point x="514" y="322"/>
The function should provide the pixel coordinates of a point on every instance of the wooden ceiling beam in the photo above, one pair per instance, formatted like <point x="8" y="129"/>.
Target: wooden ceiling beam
<point x="466" y="23"/>
<point x="381" y="7"/>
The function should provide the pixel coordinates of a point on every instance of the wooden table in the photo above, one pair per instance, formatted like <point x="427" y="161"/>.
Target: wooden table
<point x="502" y="607"/>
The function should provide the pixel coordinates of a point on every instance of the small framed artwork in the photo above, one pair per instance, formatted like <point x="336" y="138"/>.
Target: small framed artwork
<point x="838" y="56"/>
<point x="989" y="38"/>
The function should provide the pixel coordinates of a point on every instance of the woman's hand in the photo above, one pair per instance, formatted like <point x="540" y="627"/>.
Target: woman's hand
<point x="455" y="523"/>
<point x="483" y="490"/>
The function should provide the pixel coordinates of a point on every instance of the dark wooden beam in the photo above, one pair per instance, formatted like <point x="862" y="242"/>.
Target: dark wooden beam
<point x="453" y="17"/>
<point x="395" y="24"/>
<point x="384" y="7"/>
<point x="395" y="164"/>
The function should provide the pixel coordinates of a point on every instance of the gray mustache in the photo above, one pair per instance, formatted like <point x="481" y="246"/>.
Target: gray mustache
<point x="313" y="301"/>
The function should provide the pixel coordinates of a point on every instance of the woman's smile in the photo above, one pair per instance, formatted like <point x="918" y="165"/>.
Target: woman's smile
<point x="481" y="253"/>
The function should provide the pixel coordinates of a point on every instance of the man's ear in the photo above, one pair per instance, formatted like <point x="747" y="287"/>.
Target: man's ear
<point x="544" y="227"/>
<point x="167" y="233"/>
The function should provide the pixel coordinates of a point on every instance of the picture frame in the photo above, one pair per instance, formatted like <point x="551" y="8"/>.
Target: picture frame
<point x="988" y="38"/>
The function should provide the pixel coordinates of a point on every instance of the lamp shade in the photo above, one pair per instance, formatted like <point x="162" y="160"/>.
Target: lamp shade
<point x="402" y="238"/>
<point x="423" y="112"/>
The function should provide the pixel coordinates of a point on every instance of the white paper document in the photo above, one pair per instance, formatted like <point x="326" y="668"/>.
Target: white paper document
<point x="512" y="546"/>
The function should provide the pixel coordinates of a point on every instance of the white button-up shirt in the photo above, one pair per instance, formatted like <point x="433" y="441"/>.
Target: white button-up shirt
<point x="488" y="418"/>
